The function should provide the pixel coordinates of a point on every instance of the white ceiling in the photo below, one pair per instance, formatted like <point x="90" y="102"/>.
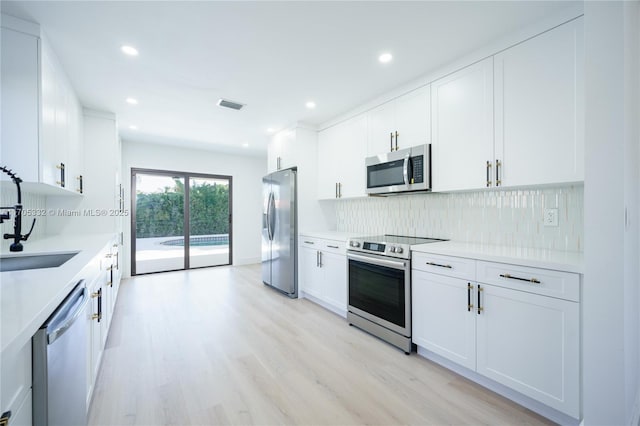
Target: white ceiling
<point x="272" y="56"/>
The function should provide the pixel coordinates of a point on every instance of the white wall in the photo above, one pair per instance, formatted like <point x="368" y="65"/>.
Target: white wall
<point x="610" y="291"/>
<point x="247" y="173"/>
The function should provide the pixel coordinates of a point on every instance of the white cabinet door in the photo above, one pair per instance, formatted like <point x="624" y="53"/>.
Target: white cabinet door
<point x="20" y="104"/>
<point x="329" y="161"/>
<point x="351" y="174"/>
<point x="531" y="344"/>
<point x="462" y="120"/>
<point x="539" y="93"/>
<point x="341" y="154"/>
<point x="442" y="320"/>
<point x="334" y="280"/>
<point x="282" y="150"/>
<point x="382" y="125"/>
<point x="23" y="416"/>
<point x="310" y="279"/>
<point x="407" y="115"/>
<point x="413" y="118"/>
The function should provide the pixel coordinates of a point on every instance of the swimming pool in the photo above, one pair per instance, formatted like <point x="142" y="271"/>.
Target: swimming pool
<point x="206" y="240"/>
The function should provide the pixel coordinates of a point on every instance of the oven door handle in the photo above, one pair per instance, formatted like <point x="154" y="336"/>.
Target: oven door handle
<point x="395" y="264"/>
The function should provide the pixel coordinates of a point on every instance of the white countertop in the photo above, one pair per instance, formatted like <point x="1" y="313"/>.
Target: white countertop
<point x="330" y="235"/>
<point x="29" y="297"/>
<point x="567" y="261"/>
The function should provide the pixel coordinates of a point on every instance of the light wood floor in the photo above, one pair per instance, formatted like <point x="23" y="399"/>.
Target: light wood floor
<point x="216" y="346"/>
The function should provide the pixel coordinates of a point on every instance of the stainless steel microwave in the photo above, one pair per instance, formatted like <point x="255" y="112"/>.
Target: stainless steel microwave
<point x="405" y="170"/>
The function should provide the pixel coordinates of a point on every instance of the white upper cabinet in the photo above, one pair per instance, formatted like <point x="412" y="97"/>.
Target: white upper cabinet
<point x="462" y="113"/>
<point x="539" y="97"/>
<point x="400" y="123"/>
<point x="41" y="115"/>
<point x="341" y="153"/>
<point x="20" y="103"/>
<point x="283" y="150"/>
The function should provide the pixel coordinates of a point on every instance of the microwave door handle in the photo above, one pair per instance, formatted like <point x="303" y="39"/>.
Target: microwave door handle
<point x="405" y="170"/>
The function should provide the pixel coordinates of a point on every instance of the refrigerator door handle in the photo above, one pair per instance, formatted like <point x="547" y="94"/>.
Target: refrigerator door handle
<point x="271" y="215"/>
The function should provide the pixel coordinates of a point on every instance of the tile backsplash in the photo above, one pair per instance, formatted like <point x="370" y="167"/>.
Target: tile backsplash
<point x="30" y="202"/>
<point x="502" y="217"/>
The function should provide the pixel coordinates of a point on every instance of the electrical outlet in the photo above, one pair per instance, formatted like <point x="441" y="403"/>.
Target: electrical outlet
<point x="550" y="217"/>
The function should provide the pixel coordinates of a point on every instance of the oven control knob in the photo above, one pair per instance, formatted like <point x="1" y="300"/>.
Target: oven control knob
<point x="399" y="250"/>
<point x="354" y="244"/>
<point x="392" y="249"/>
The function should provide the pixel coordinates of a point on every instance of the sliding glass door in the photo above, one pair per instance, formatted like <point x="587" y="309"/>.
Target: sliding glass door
<point x="179" y="221"/>
<point x="209" y="221"/>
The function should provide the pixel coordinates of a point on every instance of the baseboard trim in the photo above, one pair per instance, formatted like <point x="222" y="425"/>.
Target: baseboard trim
<point x="533" y="405"/>
<point x="327" y="306"/>
<point x="246" y="261"/>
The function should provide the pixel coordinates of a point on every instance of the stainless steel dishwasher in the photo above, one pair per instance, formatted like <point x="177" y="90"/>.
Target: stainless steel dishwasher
<point x="60" y="364"/>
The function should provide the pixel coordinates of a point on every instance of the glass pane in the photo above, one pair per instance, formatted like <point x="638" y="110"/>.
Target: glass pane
<point x="208" y="222"/>
<point x="159" y="223"/>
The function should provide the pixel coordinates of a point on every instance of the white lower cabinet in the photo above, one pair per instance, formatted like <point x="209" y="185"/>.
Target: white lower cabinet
<point x="442" y="321"/>
<point x="16" y="386"/>
<point x="323" y="272"/>
<point x="531" y="344"/>
<point x="508" y="331"/>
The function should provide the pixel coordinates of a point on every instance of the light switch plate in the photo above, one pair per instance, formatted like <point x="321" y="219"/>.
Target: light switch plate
<point x="550" y="217"/>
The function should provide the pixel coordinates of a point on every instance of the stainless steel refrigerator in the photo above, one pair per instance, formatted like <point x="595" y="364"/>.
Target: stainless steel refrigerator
<point x="279" y="230"/>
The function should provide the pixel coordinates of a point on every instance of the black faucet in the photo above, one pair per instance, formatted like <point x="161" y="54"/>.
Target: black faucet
<point x="17" y="220"/>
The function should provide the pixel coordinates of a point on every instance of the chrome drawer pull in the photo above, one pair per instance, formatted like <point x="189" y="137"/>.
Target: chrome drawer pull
<point x="335" y="247"/>
<point x="309" y="242"/>
<point x="442" y="266"/>
<point x="529" y="280"/>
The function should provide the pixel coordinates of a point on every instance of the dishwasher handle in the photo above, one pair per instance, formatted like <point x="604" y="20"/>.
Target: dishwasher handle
<point x="67" y="313"/>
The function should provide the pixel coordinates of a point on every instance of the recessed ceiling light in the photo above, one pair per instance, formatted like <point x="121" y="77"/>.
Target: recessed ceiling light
<point x="133" y="127"/>
<point x="385" y="58"/>
<point x="311" y="105"/>
<point x="132" y="101"/>
<point x="129" y="50"/>
<point x="245" y="145"/>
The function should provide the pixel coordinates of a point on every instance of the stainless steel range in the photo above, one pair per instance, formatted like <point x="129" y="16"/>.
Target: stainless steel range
<point x="380" y="286"/>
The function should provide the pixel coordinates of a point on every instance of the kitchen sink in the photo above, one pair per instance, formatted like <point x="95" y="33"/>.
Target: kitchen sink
<point x="20" y="263"/>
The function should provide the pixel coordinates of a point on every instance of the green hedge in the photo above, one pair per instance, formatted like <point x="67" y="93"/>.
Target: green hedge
<point x="162" y="214"/>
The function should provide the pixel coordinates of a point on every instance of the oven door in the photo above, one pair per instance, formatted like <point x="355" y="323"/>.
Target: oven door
<point x="380" y="290"/>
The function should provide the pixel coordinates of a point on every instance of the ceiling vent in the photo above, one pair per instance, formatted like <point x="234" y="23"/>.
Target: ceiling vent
<point x="230" y="104"/>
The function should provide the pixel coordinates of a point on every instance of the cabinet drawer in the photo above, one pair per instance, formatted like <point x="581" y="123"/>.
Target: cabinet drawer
<point x="16" y="378"/>
<point x="331" y="246"/>
<point x="310" y="242"/>
<point x="458" y="267"/>
<point x="563" y="285"/>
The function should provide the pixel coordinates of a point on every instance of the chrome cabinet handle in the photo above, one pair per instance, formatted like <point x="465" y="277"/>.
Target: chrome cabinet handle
<point x="469" y="304"/>
<point x="529" y="280"/>
<point x="317" y="259"/>
<point x="339" y="190"/>
<point x="309" y="242"/>
<point x="441" y="266"/>
<point x="334" y="247"/>
<point x="498" y="165"/>
<point x="488" y="174"/>
<point x="391" y="143"/>
<point x="396" y="140"/>
<point x="320" y="253"/>
<point x="480" y="308"/>
<point x="61" y="181"/>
